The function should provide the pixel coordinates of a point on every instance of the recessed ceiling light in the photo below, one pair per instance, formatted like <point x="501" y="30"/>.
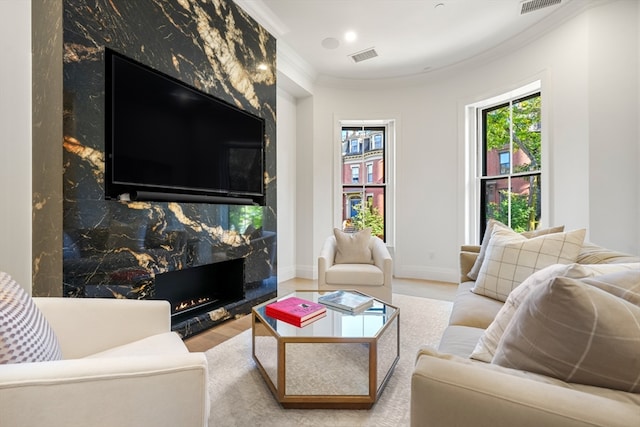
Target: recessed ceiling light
<point x="350" y="36"/>
<point x="330" y="43"/>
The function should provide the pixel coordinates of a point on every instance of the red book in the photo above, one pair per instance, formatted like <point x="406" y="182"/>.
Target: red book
<point x="306" y="322"/>
<point x="295" y="310"/>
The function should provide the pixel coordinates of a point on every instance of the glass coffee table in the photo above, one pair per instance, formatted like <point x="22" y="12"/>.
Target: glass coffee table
<point x="340" y="361"/>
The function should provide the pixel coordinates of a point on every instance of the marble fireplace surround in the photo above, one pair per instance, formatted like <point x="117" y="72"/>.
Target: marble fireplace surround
<point x="119" y="249"/>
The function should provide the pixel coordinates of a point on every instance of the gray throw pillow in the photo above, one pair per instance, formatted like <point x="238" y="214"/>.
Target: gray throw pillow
<point x="577" y="333"/>
<point x="620" y="274"/>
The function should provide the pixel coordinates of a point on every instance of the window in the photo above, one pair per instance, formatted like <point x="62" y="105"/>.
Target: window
<point x="354" y="147"/>
<point x="510" y="163"/>
<point x="505" y="162"/>
<point x="355" y="174"/>
<point x="364" y="203"/>
<point x="377" y="141"/>
<point x="369" y="172"/>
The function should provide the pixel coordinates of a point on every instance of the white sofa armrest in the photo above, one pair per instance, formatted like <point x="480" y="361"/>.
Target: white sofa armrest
<point x="448" y="393"/>
<point x="86" y="326"/>
<point x="326" y="259"/>
<point x="164" y="390"/>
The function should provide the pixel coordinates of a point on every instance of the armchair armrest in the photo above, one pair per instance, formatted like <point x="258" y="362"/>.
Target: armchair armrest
<point x="166" y="390"/>
<point x="440" y="387"/>
<point x="326" y="258"/>
<point x="382" y="259"/>
<point x="85" y="326"/>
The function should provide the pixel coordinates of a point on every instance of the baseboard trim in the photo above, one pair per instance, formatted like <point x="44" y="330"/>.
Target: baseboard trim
<point x="427" y="273"/>
<point x="286" y="273"/>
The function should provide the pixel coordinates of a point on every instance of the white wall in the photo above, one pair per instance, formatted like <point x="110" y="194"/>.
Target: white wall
<point x="15" y="145"/>
<point x="286" y="182"/>
<point x="305" y="209"/>
<point x="589" y="71"/>
<point x="613" y="92"/>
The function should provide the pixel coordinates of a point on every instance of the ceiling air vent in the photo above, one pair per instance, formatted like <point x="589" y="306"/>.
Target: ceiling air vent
<point x="533" y="5"/>
<point x="364" y="55"/>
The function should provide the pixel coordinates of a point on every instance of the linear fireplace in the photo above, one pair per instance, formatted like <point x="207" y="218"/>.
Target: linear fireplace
<point x="198" y="290"/>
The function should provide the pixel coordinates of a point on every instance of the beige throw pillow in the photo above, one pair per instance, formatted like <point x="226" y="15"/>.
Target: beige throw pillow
<point x="603" y="274"/>
<point x="577" y="333"/>
<point x="511" y="258"/>
<point x="491" y="224"/>
<point x="353" y="248"/>
<point x="25" y="334"/>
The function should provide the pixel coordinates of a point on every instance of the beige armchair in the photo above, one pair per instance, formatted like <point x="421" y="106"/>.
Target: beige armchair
<point x="372" y="279"/>
<point x="121" y="366"/>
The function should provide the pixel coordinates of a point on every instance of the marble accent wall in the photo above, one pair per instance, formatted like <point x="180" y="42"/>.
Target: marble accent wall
<point x="116" y="249"/>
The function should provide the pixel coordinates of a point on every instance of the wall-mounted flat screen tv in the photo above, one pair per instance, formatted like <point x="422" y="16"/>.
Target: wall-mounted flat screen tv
<point x="165" y="140"/>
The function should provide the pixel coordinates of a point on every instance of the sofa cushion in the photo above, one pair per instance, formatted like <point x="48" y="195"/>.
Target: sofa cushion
<point x="473" y="310"/>
<point x="511" y="258"/>
<point x="365" y="274"/>
<point x="488" y="342"/>
<point x="568" y="329"/>
<point x="353" y="248"/>
<point x="459" y="340"/>
<point x="491" y="225"/>
<point x="25" y="334"/>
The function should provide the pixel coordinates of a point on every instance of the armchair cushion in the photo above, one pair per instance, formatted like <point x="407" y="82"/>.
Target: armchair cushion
<point x="355" y="274"/>
<point x="165" y="343"/>
<point x="86" y="326"/>
<point x="25" y="334"/>
<point x="353" y="248"/>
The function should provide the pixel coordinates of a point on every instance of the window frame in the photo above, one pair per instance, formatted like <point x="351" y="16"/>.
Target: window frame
<point x="392" y="126"/>
<point x="471" y="227"/>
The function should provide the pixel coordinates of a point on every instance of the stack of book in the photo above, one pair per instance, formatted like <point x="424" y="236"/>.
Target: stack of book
<point x="296" y="311"/>
<point x="349" y="301"/>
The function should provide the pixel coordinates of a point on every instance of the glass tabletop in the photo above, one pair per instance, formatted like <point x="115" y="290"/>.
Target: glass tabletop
<point x="336" y="324"/>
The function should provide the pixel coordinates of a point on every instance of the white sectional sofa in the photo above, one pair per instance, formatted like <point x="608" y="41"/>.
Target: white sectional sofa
<point x="121" y="366"/>
<point x="449" y="388"/>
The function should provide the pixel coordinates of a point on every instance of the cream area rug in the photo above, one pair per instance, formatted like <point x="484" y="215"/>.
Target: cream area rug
<point x="240" y="396"/>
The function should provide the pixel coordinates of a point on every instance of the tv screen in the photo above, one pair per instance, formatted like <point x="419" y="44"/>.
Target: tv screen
<point x="168" y="141"/>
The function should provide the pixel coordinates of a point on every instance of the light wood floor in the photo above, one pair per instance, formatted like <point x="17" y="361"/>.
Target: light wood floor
<point x="220" y="333"/>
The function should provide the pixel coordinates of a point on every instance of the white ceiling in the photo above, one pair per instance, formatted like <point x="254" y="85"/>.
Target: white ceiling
<point x="410" y="36"/>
